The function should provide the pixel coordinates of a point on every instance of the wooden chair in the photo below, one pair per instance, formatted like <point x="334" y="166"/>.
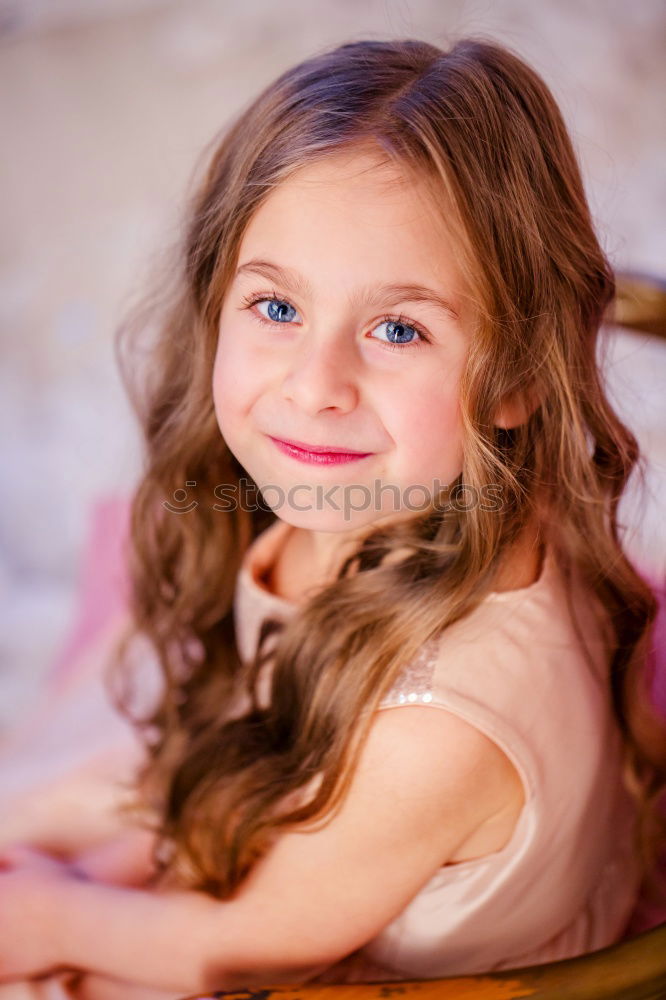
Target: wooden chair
<point x="634" y="968"/>
<point x="640" y="303"/>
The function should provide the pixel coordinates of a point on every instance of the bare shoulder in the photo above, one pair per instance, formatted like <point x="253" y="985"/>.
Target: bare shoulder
<point x="469" y="780"/>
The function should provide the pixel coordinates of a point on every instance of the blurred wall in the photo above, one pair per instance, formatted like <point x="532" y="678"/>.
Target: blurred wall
<point x="106" y="105"/>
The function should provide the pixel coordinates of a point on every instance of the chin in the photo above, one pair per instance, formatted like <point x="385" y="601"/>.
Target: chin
<point x="332" y="522"/>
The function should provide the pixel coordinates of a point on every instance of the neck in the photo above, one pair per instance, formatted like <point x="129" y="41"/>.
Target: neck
<point x="309" y="560"/>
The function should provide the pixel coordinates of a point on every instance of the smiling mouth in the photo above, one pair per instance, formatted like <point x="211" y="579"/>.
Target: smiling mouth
<point x="316" y="449"/>
<point x="319" y="454"/>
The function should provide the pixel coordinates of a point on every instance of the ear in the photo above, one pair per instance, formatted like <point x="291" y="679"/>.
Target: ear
<point x="516" y="408"/>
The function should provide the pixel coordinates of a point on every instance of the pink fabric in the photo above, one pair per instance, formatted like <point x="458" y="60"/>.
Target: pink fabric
<point x="103" y="584"/>
<point x="62" y="768"/>
<point x="648" y="913"/>
<point x="657" y="660"/>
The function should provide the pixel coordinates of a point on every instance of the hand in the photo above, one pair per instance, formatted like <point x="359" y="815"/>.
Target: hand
<point x="30" y="883"/>
<point x="124" y="860"/>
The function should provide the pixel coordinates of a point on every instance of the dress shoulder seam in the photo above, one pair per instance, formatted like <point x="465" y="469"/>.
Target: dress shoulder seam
<point x="415" y="682"/>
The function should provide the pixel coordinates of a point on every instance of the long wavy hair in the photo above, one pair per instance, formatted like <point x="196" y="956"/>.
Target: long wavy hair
<point x="482" y="129"/>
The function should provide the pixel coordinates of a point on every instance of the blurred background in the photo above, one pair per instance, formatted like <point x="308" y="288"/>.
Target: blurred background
<point x="106" y="106"/>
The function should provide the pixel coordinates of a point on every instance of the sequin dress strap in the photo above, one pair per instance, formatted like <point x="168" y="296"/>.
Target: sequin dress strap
<point x="414" y="683"/>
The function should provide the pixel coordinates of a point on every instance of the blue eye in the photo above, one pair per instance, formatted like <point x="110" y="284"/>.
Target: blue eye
<point x="397" y="327"/>
<point x="277" y="308"/>
<point x="281" y="311"/>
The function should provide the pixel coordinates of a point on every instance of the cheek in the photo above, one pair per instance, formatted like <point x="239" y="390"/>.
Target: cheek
<point x="429" y="431"/>
<point x="239" y="372"/>
<point x="231" y="391"/>
<point x="436" y="414"/>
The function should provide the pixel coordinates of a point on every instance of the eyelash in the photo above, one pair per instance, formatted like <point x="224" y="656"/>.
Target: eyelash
<point x="252" y="300"/>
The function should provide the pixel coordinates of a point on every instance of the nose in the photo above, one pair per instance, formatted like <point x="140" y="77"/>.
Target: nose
<point x="322" y="376"/>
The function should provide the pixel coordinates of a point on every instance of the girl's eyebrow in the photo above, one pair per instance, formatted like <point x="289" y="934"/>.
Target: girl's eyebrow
<point x="389" y="294"/>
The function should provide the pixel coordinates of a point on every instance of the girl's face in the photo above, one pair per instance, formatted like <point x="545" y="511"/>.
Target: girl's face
<point x="325" y="339"/>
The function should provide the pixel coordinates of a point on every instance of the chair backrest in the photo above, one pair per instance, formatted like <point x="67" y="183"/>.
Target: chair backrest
<point x="640" y="303"/>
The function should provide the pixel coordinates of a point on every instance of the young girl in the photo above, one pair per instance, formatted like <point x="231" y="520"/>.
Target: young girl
<point x="381" y="478"/>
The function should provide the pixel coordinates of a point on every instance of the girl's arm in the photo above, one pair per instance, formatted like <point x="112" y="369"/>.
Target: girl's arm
<point x="425" y="780"/>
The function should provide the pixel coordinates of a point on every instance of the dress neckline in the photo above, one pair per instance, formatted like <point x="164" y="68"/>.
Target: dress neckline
<point x="263" y="550"/>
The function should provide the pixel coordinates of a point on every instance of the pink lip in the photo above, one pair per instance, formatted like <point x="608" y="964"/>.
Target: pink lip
<point x="318" y="455"/>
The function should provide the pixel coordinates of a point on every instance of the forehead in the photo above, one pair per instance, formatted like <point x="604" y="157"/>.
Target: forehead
<point x="359" y="178"/>
<point x="363" y="167"/>
<point x="354" y="209"/>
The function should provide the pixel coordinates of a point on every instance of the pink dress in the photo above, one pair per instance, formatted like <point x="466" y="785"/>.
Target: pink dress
<point x="567" y="881"/>
<point x="564" y="884"/>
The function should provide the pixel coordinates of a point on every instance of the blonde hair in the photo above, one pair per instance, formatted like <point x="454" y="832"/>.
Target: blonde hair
<point x="485" y="133"/>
